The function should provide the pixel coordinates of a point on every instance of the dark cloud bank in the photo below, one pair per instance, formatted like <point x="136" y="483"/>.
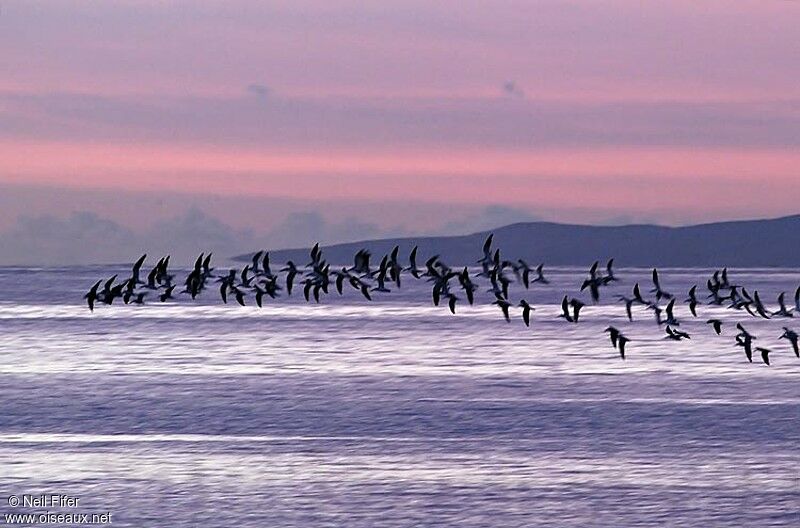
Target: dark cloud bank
<point x="84" y="237"/>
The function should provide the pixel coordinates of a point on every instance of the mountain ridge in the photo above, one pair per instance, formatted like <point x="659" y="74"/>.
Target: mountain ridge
<point x="771" y="242"/>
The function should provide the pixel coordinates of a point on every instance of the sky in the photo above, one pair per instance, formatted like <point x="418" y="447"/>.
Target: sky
<point x="282" y="121"/>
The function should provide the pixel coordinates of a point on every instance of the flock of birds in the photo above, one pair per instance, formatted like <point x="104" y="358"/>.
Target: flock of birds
<point x="257" y="279"/>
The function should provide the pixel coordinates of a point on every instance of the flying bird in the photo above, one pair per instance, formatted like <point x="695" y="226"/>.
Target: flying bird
<point x="764" y="354"/>
<point x="618" y="340"/>
<point x="792" y="337"/>
<point x="526" y="312"/>
<point x="716" y="324"/>
<point x="91" y="295"/>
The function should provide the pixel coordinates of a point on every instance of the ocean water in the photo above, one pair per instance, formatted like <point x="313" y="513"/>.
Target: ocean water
<point x="394" y="413"/>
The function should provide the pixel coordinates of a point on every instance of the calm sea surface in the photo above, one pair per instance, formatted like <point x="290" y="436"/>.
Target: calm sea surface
<point x="395" y="412"/>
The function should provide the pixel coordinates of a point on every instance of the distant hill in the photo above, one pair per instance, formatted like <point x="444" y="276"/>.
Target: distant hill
<point x="749" y="243"/>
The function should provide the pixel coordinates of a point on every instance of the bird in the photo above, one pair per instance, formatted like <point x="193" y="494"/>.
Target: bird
<point x="618" y="340"/>
<point x="504" y="306"/>
<point x="609" y="278"/>
<point x="239" y="294"/>
<point x="487" y="258"/>
<point x="594" y="287"/>
<point x="593" y="282"/>
<point x="782" y="311"/>
<point x="692" y="300"/>
<point x="256" y="260"/>
<point x="523" y="271"/>
<point x="167" y="294"/>
<point x="91" y="295"/>
<point x="412" y="263"/>
<point x="576" y="309"/>
<point x="764" y="354"/>
<point x="797" y="300"/>
<point x="622" y="340"/>
<point x="745" y="339"/>
<point x="670" y="314"/>
<point x="341" y="276"/>
<point x="259" y="296"/>
<point x="676" y="335"/>
<point x="637" y="295"/>
<point x="660" y="293"/>
<point x="265" y="267"/>
<point x="565" y="310"/>
<point x="365" y="291"/>
<point x="541" y="278"/>
<point x="792" y="337"/>
<point x="614" y="333"/>
<point x="291" y="272"/>
<point x="628" y="306"/>
<point x="716" y="324"/>
<point x="137" y="266"/>
<point x="760" y="309"/>
<point x="467" y="285"/>
<point x="451" y="302"/>
<point x="526" y="311"/>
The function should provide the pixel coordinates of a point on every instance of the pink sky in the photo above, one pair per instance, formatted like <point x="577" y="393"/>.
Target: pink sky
<point x="657" y="110"/>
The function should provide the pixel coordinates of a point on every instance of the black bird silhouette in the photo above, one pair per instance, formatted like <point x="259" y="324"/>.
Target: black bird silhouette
<point x="692" y="300"/>
<point x="167" y="294"/>
<point x="782" y="311"/>
<point x="504" y="306"/>
<point x="365" y="291"/>
<point x="265" y="266"/>
<point x="628" y="306"/>
<point x="137" y="266"/>
<point x="610" y="273"/>
<point x="139" y="298"/>
<point x="540" y="275"/>
<point x="467" y="285"/>
<point x="637" y="295"/>
<point x="91" y="295"/>
<point x="764" y="354"/>
<point x="565" y="310"/>
<point x="576" y="309"/>
<point x="593" y="282"/>
<point x="792" y="337"/>
<point x="716" y="324"/>
<point x="760" y="309"/>
<point x="451" y="302"/>
<point x="291" y="272"/>
<point x="487" y="258"/>
<point x="412" y="263"/>
<point x="676" y="335"/>
<point x="622" y="340"/>
<point x="745" y="339"/>
<point x="618" y="340"/>
<point x="594" y="287"/>
<point x="613" y="333"/>
<point x="207" y="269"/>
<point x="526" y="312"/>
<point x="660" y="293"/>
<point x="256" y="260"/>
<point x="341" y="276"/>
<point x="239" y="294"/>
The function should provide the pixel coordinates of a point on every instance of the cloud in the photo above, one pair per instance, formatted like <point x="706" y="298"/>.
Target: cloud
<point x="488" y="218"/>
<point x="259" y="90"/>
<point x="84" y="237"/>
<point x="304" y="228"/>
<point x="352" y="123"/>
<point x="511" y="89"/>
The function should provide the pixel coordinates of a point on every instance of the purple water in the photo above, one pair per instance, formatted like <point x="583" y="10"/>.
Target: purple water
<point x="394" y="413"/>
